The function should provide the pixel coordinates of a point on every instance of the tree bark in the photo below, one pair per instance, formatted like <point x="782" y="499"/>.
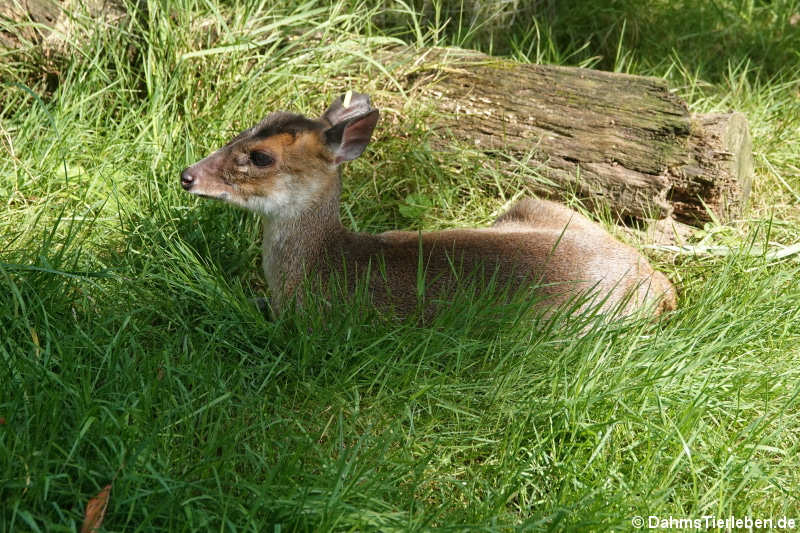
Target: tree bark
<point x="624" y="140"/>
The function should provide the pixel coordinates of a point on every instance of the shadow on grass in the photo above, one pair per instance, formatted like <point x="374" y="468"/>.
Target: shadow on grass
<point x="705" y="36"/>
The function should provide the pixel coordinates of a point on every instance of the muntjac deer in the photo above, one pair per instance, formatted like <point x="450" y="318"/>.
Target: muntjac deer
<point x="287" y="169"/>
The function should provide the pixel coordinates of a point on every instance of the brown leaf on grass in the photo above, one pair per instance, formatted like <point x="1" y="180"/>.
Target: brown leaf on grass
<point x="35" y="338"/>
<point x="96" y="511"/>
<point x="794" y="20"/>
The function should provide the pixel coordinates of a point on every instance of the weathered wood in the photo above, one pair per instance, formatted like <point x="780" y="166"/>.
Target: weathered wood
<point x="717" y="168"/>
<point x="626" y="140"/>
<point x="49" y="23"/>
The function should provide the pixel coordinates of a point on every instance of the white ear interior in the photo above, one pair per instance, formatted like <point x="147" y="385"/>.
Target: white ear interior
<point x="356" y="136"/>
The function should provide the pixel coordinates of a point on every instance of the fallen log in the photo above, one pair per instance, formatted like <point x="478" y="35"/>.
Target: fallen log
<point x="625" y="140"/>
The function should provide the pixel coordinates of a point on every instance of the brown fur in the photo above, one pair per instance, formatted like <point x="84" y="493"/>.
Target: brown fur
<point x="536" y="243"/>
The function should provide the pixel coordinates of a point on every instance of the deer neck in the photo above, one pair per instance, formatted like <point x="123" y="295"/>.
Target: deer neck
<point x="295" y="245"/>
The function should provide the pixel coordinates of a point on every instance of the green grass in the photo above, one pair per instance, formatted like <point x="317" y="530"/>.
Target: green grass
<point x="131" y="354"/>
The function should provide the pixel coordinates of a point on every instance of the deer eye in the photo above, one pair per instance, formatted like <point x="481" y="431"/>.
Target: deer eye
<point x="260" y="159"/>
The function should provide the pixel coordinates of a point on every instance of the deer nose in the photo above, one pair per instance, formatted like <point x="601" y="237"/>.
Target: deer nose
<point x="187" y="179"/>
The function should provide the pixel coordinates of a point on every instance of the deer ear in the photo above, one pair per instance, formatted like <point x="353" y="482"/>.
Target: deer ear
<point x="347" y="106"/>
<point x="348" y="139"/>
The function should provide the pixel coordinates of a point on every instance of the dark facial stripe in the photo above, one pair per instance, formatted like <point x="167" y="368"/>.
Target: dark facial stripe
<point x="281" y="122"/>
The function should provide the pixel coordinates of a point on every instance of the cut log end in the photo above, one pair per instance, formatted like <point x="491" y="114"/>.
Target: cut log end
<point x="715" y="179"/>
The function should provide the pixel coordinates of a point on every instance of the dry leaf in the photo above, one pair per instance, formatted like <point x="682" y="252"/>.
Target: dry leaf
<point x="96" y="511"/>
<point x="794" y="20"/>
<point x="2" y="421"/>
<point x="35" y="338"/>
